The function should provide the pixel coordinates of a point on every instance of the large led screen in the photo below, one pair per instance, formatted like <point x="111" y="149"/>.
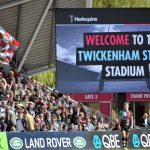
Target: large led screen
<point x="103" y="50"/>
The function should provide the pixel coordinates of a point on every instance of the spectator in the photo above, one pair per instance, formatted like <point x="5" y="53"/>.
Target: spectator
<point x="48" y="118"/>
<point x="103" y="125"/>
<point x="42" y="122"/>
<point x="3" y="72"/>
<point x="144" y="121"/>
<point x="80" y="127"/>
<point x="21" y="124"/>
<point x="2" y="79"/>
<point x="51" y="128"/>
<point x="60" y="126"/>
<point x="111" y="126"/>
<point x="81" y="107"/>
<point x="37" y="127"/>
<point x="54" y="122"/>
<point x="88" y="126"/>
<point x="18" y="82"/>
<point x="10" y="78"/>
<point x="116" y="125"/>
<point x="24" y="101"/>
<point x="65" y="127"/>
<point x="10" y="119"/>
<point x="82" y="118"/>
<point x="94" y="121"/>
<point x="71" y="127"/>
<point x="100" y="127"/>
<point x="47" y="95"/>
<point x="76" y="122"/>
<point x="30" y="107"/>
<point x="30" y="121"/>
<point x="3" y="125"/>
<point x="44" y="128"/>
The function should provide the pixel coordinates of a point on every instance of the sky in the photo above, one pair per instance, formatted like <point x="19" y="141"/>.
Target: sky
<point x="69" y="37"/>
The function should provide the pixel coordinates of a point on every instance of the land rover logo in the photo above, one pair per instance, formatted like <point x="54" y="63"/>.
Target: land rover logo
<point x="16" y="143"/>
<point x="79" y="142"/>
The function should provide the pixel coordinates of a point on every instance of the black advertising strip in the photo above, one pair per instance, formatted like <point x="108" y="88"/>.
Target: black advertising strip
<point x="102" y="16"/>
<point x="139" y="139"/>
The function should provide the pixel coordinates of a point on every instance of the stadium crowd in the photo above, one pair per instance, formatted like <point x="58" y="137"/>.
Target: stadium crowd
<point x="27" y="106"/>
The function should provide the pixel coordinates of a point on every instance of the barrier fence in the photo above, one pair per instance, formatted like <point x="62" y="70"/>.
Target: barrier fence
<point x="138" y="139"/>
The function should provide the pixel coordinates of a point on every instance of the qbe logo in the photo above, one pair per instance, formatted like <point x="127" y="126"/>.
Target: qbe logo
<point x="16" y="143"/>
<point x="142" y="140"/>
<point x="106" y="141"/>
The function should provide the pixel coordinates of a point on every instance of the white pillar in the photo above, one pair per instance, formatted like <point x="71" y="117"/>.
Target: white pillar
<point x="89" y="3"/>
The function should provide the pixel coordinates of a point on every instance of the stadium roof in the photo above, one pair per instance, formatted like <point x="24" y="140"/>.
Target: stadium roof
<point x="32" y="22"/>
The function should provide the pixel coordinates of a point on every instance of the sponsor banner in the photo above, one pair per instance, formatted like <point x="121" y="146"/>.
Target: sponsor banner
<point x="138" y="96"/>
<point x="47" y="140"/>
<point x="104" y="140"/>
<point x="139" y="139"/>
<point x="3" y="141"/>
<point x="92" y="97"/>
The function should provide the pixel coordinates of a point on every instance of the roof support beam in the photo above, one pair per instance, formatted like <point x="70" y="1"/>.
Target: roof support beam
<point x="35" y="34"/>
<point x="14" y="3"/>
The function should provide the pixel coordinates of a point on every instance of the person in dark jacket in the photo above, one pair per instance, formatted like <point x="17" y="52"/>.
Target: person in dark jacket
<point x="21" y="123"/>
<point x="10" y="119"/>
<point x="3" y="126"/>
<point x="144" y="121"/>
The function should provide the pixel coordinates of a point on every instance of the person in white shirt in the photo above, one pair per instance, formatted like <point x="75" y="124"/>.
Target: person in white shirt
<point x="88" y="126"/>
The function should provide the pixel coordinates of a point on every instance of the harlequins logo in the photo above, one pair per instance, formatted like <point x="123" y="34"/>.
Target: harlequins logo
<point x="71" y="18"/>
<point x="82" y="19"/>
